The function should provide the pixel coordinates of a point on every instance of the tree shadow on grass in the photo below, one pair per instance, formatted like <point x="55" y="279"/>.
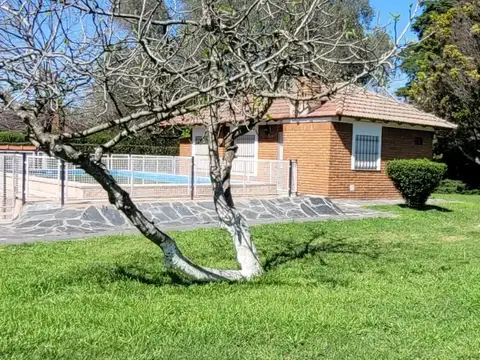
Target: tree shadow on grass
<point x="285" y="254"/>
<point x="141" y="275"/>
<point x="302" y="250"/>
<point x="427" y="208"/>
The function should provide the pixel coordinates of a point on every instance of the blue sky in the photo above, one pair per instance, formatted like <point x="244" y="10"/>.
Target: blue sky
<point x="384" y="9"/>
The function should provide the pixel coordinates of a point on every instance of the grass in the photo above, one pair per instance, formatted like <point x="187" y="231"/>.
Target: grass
<point x="402" y="288"/>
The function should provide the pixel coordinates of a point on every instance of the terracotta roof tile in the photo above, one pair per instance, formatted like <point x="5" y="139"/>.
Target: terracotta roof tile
<point x="356" y="102"/>
<point x="280" y="109"/>
<point x="351" y="101"/>
<point x="9" y="121"/>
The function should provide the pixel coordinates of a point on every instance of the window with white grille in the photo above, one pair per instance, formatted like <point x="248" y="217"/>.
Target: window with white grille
<point x="366" y="146"/>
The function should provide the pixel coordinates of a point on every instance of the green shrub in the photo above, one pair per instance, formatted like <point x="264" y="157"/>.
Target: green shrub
<point x="449" y="186"/>
<point x="416" y="179"/>
<point x="12" y="137"/>
<point x="146" y="144"/>
<point x="143" y="144"/>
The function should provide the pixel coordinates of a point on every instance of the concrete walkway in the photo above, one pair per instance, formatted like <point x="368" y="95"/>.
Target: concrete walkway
<point x="42" y="222"/>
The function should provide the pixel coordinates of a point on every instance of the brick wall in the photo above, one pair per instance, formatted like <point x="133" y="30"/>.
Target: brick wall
<point x="396" y="144"/>
<point x="323" y="152"/>
<point x="309" y="144"/>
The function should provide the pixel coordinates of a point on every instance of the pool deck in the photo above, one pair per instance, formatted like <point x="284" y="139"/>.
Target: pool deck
<point x="49" y="222"/>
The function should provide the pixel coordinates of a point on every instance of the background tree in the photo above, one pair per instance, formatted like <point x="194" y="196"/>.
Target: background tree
<point x="144" y="67"/>
<point x="444" y="79"/>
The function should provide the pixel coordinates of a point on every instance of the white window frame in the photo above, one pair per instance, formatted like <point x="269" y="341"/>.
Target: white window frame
<point x="368" y="130"/>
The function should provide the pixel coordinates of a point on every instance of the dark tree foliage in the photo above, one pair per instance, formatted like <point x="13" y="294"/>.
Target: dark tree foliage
<point x="428" y="47"/>
<point x="444" y="78"/>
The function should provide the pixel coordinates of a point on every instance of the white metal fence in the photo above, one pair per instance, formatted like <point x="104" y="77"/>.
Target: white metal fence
<point x="38" y="177"/>
<point x="10" y="184"/>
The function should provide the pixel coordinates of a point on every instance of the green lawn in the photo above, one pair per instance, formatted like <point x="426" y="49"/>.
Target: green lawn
<point x="402" y="288"/>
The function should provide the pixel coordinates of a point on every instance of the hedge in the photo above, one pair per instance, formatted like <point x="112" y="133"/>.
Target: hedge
<point x="147" y="144"/>
<point x="416" y="179"/>
<point x="12" y="137"/>
<point x="449" y="186"/>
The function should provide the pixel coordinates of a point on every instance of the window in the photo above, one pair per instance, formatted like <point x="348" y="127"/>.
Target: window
<point x="367" y="144"/>
<point x="418" y="141"/>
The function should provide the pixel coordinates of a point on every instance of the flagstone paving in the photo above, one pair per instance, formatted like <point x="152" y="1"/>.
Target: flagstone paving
<point x="43" y="222"/>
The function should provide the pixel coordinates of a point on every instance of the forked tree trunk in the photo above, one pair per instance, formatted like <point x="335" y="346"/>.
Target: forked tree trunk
<point x="173" y="258"/>
<point x="230" y="218"/>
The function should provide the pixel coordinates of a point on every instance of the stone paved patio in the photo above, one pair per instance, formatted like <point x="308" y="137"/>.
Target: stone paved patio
<point x="42" y="222"/>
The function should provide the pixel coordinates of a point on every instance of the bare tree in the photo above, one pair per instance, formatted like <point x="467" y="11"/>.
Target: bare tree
<point x="168" y="60"/>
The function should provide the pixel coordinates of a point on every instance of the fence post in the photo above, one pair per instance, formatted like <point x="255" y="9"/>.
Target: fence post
<point x="244" y="177"/>
<point x="4" y="190"/>
<point x="130" y="167"/>
<point x="67" y="171"/>
<point x="62" y="182"/>
<point x="295" y="177"/>
<point x="143" y="169"/>
<point x="15" y="176"/>
<point x="27" y="176"/>
<point x="192" y="179"/>
<point x="290" y="177"/>
<point x="271" y="174"/>
<point x="24" y="178"/>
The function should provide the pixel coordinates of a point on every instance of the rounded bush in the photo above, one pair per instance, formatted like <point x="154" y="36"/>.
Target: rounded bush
<point x="416" y="179"/>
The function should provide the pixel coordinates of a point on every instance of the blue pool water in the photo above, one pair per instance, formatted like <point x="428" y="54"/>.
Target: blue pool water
<point x="137" y="175"/>
<point x="159" y="177"/>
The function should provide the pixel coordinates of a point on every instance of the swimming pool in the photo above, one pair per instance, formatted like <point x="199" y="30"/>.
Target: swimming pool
<point x="124" y="175"/>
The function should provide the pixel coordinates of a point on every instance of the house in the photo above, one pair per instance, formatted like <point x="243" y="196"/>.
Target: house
<point x="341" y="145"/>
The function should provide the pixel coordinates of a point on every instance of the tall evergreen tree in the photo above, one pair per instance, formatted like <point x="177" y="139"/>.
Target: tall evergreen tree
<point x="444" y="78"/>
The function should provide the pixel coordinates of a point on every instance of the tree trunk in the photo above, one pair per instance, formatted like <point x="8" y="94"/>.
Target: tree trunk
<point x="230" y="218"/>
<point x="173" y="258"/>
